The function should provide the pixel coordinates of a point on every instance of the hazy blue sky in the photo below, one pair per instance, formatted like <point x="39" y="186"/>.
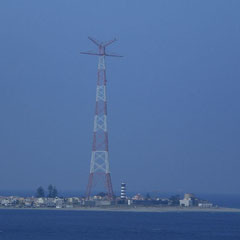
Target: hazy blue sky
<point x="173" y="99"/>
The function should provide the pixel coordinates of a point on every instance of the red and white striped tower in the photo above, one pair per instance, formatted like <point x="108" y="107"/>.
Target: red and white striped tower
<point x="100" y="158"/>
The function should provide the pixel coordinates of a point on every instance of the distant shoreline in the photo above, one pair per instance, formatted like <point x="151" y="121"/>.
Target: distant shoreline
<point x="136" y="209"/>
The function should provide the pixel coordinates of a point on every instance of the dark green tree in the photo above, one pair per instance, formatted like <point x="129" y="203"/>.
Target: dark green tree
<point x="40" y="192"/>
<point x="52" y="191"/>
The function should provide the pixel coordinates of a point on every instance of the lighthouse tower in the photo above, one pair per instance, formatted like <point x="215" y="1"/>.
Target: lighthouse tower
<point x="123" y="191"/>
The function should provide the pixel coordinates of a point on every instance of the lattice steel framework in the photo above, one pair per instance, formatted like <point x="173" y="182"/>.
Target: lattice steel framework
<point x="100" y="157"/>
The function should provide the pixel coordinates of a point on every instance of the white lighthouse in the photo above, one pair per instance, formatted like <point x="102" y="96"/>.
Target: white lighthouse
<point x="123" y="191"/>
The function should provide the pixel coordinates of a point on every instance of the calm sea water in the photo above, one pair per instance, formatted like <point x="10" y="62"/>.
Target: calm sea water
<point x="69" y="225"/>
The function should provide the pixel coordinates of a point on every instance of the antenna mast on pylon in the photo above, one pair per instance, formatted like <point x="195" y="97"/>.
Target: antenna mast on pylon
<point x="100" y="157"/>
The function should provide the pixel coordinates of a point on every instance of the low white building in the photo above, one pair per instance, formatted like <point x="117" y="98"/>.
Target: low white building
<point x="40" y="201"/>
<point x="205" y="205"/>
<point x="5" y="202"/>
<point x="186" y="202"/>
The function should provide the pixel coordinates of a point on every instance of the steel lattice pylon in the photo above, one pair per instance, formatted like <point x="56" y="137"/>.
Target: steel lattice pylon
<point x="99" y="158"/>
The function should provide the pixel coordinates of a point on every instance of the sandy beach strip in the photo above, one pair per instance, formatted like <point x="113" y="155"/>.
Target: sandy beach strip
<point x="136" y="209"/>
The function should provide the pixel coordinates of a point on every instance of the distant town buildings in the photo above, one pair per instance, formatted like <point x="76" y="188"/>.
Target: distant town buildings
<point x="43" y="202"/>
<point x="190" y="200"/>
<point x="102" y="200"/>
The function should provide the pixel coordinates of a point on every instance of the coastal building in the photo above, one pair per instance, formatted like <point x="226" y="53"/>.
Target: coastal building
<point x="205" y="205"/>
<point x="40" y="201"/>
<point x="188" y="200"/>
<point x="138" y="197"/>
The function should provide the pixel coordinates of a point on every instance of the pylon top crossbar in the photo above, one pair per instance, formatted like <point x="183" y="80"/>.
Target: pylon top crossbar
<point x="102" y="48"/>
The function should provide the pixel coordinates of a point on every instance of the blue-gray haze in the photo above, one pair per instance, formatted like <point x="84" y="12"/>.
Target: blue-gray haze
<point x="173" y="111"/>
